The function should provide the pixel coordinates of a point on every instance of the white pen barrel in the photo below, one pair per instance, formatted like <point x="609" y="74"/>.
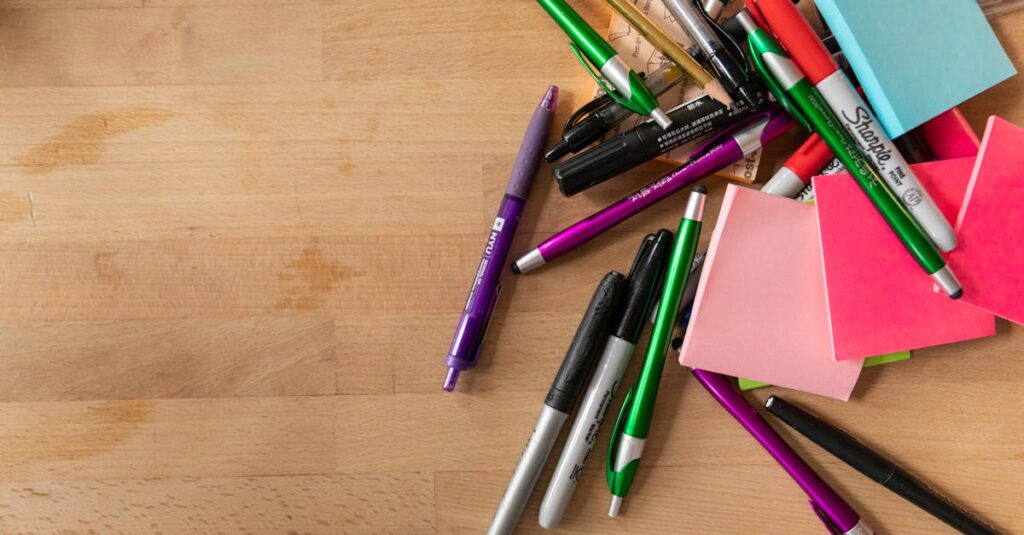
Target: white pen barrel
<point x="886" y="158"/>
<point x="527" y="471"/>
<point x="585" y="428"/>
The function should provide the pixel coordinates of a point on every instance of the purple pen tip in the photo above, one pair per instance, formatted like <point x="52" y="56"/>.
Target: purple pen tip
<point x="449" y="380"/>
<point x="550" y="98"/>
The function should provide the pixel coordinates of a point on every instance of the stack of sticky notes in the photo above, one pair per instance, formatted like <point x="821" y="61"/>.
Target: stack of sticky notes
<point x="833" y="286"/>
<point x="804" y="295"/>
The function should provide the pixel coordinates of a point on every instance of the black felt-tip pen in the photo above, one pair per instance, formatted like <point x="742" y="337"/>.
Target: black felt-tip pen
<point x="876" y="467"/>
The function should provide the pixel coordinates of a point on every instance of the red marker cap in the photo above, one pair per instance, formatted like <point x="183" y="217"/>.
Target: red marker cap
<point x="796" y="34"/>
<point x="810" y="158"/>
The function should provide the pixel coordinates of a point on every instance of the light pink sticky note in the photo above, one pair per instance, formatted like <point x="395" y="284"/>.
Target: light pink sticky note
<point x="989" y="259"/>
<point x="760" y="310"/>
<point x="879" y="299"/>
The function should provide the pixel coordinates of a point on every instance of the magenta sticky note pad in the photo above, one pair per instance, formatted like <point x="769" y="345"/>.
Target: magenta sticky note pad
<point x="989" y="258"/>
<point x="879" y="299"/>
<point x="760" y="309"/>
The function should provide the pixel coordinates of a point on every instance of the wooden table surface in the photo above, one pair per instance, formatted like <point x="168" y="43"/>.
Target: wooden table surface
<point x="236" y="236"/>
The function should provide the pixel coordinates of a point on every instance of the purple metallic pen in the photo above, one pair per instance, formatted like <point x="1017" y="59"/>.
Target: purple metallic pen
<point x="831" y="509"/>
<point x="469" y="335"/>
<point x="721" y="150"/>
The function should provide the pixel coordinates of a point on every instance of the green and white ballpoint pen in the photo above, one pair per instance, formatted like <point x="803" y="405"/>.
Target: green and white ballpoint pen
<point x="593" y="51"/>
<point x="634" y="420"/>
<point x="789" y="85"/>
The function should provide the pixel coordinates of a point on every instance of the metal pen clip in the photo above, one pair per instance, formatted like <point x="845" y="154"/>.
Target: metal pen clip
<point x="831" y="526"/>
<point x="613" y="448"/>
<point x="610" y="91"/>
<point x="758" y="118"/>
<point x="775" y="88"/>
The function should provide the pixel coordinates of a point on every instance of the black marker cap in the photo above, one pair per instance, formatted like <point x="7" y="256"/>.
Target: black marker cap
<point x="611" y="158"/>
<point x="646" y="141"/>
<point x="644" y="281"/>
<point x="590" y="338"/>
<point x="578" y="136"/>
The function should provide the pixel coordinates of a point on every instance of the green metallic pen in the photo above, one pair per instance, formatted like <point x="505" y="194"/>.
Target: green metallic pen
<point x="629" y="89"/>
<point x="634" y="422"/>
<point x="787" y="82"/>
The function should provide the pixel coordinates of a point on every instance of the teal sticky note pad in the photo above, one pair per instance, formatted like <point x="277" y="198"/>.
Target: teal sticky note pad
<point x="748" y="384"/>
<point x="917" y="58"/>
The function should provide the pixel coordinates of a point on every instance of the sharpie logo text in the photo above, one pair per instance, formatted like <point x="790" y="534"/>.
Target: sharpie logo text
<point x="862" y="126"/>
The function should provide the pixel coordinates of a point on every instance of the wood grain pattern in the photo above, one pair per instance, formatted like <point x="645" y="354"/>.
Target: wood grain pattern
<point x="160" y="46"/>
<point x="283" y="504"/>
<point x="166" y="438"/>
<point x="235" y="237"/>
<point x="146" y="359"/>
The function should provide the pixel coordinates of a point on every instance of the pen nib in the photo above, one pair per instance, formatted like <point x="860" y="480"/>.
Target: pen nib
<point x="613" y="511"/>
<point x="449" y="380"/>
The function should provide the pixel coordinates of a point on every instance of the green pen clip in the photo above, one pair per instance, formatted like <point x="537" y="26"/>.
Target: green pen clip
<point x="614" y="483"/>
<point x="601" y="83"/>
<point x="759" y="43"/>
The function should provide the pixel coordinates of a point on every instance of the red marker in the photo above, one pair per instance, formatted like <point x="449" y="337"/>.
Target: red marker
<point x="798" y="37"/>
<point x="807" y="161"/>
<point x="791" y="29"/>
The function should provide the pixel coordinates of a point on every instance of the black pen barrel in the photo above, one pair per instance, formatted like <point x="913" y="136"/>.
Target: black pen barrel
<point x="920" y="495"/>
<point x="832" y="439"/>
<point x="874" y="466"/>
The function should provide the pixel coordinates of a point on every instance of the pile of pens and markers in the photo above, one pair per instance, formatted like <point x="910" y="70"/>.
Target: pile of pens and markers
<point x="762" y="70"/>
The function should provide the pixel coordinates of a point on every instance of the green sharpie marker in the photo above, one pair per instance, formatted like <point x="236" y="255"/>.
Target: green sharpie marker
<point x="787" y="82"/>
<point x="634" y="422"/>
<point x="594" y="52"/>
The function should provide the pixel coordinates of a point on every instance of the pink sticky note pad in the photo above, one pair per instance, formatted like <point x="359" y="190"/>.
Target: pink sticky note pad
<point x="760" y="309"/>
<point x="949" y="136"/>
<point x="879" y="299"/>
<point x="989" y="258"/>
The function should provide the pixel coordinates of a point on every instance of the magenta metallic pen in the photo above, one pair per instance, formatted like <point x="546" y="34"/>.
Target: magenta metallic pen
<point x="838" y="517"/>
<point x="721" y="150"/>
<point x="483" y="294"/>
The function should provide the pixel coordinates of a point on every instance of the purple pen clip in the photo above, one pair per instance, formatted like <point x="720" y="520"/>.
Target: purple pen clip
<point x="716" y="140"/>
<point x="823" y="516"/>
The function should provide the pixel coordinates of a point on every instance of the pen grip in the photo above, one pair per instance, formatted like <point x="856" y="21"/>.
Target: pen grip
<point x="592" y="331"/>
<point x="528" y="158"/>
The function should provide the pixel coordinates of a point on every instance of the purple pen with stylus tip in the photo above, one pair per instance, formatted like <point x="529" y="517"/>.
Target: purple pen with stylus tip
<point x="721" y="150"/>
<point x="483" y="294"/>
<point x="838" y="517"/>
